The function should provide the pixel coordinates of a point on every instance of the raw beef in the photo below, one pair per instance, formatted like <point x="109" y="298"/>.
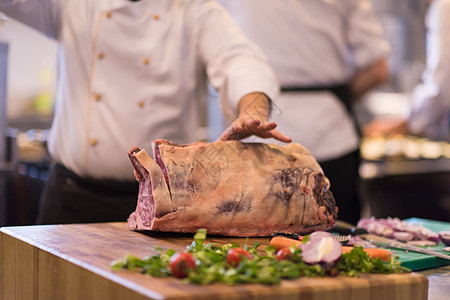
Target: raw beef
<point x="231" y="188"/>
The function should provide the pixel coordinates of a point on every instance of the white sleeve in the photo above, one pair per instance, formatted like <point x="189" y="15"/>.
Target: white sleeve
<point x="364" y="33"/>
<point x="234" y="65"/>
<point x="42" y="15"/>
<point x="442" y="74"/>
<point x="431" y="100"/>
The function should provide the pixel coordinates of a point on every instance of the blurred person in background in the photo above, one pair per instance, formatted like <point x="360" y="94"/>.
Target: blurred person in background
<point x="327" y="54"/>
<point x="131" y="72"/>
<point x="429" y="115"/>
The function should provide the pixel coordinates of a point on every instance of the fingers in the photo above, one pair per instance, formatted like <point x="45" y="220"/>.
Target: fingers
<point x="256" y="126"/>
<point x="252" y="123"/>
<point x="238" y="130"/>
<point x="281" y="137"/>
<point x="225" y="136"/>
<point x="232" y="132"/>
<point x="265" y="130"/>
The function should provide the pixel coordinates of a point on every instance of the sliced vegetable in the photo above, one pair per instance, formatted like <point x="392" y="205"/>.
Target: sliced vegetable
<point x="444" y="236"/>
<point x="284" y="253"/>
<point x="181" y="264"/>
<point x="383" y="254"/>
<point x="280" y="242"/>
<point x="391" y="227"/>
<point x="403" y="236"/>
<point x="320" y="234"/>
<point x="321" y="248"/>
<point x="235" y="256"/>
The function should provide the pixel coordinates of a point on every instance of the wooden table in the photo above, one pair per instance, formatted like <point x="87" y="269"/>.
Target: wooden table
<point x="439" y="282"/>
<point x="72" y="262"/>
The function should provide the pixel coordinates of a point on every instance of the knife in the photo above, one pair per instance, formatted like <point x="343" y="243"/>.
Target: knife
<point x="346" y="228"/>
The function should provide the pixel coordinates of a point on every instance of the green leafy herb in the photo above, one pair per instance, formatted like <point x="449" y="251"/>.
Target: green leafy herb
<point x="358" y="261"/>
<point x="263" y="268"/>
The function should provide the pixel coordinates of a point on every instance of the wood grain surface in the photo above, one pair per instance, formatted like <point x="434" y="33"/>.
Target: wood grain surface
<point x="73" y="262"/>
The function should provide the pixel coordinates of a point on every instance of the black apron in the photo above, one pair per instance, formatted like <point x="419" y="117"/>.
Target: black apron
<point x="342" y="92"/>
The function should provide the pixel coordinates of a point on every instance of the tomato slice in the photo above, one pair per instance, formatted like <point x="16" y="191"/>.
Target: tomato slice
<point x="284" y="253"/>
<point x="234" y="256"/>
<point x="181" y="264"/>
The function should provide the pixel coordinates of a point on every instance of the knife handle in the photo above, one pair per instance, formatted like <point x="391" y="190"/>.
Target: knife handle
<point x="344" y="227"/>
<point x="290" y="235"/>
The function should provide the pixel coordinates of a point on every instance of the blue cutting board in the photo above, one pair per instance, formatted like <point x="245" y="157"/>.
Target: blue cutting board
<point x="418" y="261"/>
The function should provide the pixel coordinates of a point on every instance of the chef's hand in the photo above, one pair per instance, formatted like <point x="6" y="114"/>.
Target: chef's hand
<point x="385" y="128"/>
<point x="253" y="116"/>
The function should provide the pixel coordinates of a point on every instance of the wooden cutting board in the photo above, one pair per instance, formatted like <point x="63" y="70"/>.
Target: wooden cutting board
<point x="72" y="262"/>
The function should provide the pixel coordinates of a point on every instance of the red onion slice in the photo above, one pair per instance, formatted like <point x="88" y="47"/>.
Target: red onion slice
<point x="403" y="236"/>
<point x="319" y="234"/>
<point x="321" y="248"/>
<point x="444" y="236"/>
<point x="390" y="227"/>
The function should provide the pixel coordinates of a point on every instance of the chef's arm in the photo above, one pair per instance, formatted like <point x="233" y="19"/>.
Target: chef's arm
<point x="240" y="72"/>
<point x="255" y="106"/>
<point x="253" y="114"/>
<point x="368" y="78"/>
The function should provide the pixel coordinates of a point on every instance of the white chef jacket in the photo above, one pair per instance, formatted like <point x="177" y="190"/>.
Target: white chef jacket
<point x="131" y="72"/>
<point x="313" y="43"/>
<point x="430" y="112"/>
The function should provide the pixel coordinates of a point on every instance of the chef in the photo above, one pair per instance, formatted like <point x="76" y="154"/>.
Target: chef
<point x="429" y="115"/>
<point x="131" y="72"/>
<point x="327" y="54"/>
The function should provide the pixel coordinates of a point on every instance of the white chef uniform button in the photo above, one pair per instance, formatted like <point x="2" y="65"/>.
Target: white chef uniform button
<point x="97" y="97"/>
<point x="146" y="61"/>
<point x="156" y="17"/>
<point x="109" y="14"/>
<point x="100" y="55"/>
<point x="141" y="104"/>
<point x="92" y="142"/>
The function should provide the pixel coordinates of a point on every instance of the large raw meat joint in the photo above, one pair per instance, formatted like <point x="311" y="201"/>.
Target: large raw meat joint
<point x="231" y="188"/>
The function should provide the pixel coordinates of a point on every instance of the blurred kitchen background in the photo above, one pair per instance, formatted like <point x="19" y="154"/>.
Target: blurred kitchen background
<point x="402" y="176"/>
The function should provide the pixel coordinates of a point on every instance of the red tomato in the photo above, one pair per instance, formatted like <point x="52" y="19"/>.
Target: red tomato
<point x="181" y="263"/>
<point x="300" y="237"/>
<point x="234" y="256"/>
<point x="284" y="253"/>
